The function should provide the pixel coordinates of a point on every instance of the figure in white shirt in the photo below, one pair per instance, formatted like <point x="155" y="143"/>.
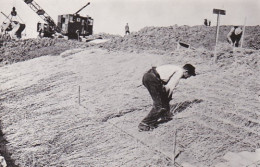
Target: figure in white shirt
<point x="234" y="35"/>
<point x="2" y="162"/>
<point x="160" y="82"/>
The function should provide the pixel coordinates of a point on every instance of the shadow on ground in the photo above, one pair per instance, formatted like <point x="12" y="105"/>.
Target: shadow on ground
<point x="178" y="108"/>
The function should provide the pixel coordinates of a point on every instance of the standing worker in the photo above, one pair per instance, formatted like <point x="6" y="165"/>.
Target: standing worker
<point x="235" y="35"/>
<point x="160" y="82"/>
<point x="127" y="29"/>
<point x="205" y="22"/>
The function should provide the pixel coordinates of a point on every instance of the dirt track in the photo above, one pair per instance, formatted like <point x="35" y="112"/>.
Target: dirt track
<point x="45" y="125"/>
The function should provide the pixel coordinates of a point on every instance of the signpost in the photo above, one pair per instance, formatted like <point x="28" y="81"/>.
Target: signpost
<point x="218" y="12"/>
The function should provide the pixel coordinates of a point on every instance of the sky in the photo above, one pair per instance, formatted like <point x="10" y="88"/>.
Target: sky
<point x="110" y="16"/>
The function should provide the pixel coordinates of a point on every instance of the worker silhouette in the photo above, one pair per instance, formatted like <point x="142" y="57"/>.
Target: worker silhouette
<point x="234" y="35"/>
<point x="205" y="22"/>
<point x="13" y="13"/>
<point x="127" y="31"/>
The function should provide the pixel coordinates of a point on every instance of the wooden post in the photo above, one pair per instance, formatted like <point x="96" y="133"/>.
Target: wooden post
<point x="217" y="29"/>
<point x="243" y="33"/>
<point x="218" y="12"/>
<point x="174" y="149"/>
<point x="217" y="32"/>
<point x="79" y="95"/>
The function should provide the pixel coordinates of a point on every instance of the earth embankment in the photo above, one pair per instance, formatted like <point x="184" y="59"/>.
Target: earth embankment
<point x="46" y="124"/>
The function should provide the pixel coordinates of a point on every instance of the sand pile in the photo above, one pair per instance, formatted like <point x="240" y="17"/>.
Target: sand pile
<point x="165" y="38"/>
<point x="149" y="38"/>
<point x="16" y="51"/>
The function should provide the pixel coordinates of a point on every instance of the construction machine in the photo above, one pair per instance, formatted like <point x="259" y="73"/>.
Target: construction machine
<point x="74" y="25"/>
<point x="71" y="25"/>
<point x="10" y="28"/>
<point x="47" y="29"/>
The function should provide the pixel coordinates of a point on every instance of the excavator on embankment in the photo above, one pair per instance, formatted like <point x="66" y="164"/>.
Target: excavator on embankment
<point x="11" y="28"/>
<point x="72" y="26"/>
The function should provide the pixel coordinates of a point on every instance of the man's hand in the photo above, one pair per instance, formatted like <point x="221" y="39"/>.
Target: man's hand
<point x="230" y="42"/>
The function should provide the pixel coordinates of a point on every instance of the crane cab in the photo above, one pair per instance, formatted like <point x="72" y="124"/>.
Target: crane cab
<point x="74" y="25"/>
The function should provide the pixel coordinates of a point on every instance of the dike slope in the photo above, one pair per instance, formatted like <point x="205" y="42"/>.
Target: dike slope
<point x="215" y="112"/>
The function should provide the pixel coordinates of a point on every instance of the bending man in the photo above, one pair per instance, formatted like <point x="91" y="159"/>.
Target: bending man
<point x="234" y="36"/>
<point x="160" y="82"/>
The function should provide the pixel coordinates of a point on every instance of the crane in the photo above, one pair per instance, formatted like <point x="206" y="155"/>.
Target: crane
<point x="74" y="25"/>
<point x="71" y="25"/>
<point x="49" y="29"/>
<point x="14" y="28"/>
<point x="82" y="8"/>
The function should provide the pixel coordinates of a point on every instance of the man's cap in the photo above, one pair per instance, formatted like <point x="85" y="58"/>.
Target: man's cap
<point x="190" y="68"/>
<point x="238" y="31"/>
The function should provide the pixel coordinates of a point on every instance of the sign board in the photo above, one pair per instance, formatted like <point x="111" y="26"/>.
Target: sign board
<point x="184" y="45"/>
<point x="219" y="11"/>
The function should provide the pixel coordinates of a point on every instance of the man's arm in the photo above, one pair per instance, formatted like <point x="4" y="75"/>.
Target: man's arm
<point x="173" y="82"/>
<point x="229" y="35"/>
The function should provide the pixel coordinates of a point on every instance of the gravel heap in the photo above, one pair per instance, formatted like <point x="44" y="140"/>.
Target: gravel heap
<point x="21" y="50"/>
<point x="159" y="39"/>
<point x="166" y="38"/>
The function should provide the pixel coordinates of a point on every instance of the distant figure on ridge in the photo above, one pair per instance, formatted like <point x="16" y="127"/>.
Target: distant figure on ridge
<point x="160" y="82"/>
<point x="209" y="23"/>
<point x="234" y="35"/>
<point x="127" y="29"/>
<point x="205" y="22"/>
